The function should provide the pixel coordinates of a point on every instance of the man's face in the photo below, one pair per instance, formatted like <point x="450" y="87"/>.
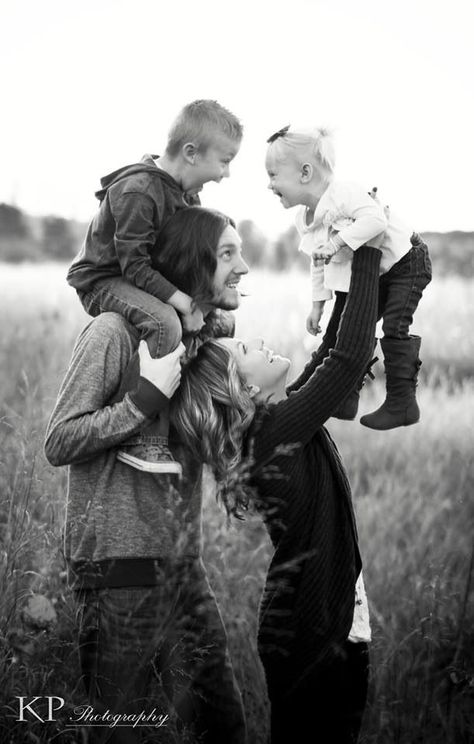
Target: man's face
<point x="230" y="267"/>
<point x="214" y="163"/>
<point x="284" y="179"/>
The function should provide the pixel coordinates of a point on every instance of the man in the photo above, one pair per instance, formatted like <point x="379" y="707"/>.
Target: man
<point x="132" y="537"/>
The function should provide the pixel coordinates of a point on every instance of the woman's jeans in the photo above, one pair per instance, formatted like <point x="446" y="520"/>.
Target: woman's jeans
<point x="327" y="706"/>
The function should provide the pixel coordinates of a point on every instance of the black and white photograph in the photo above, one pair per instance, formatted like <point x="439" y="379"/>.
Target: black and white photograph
<point x="237" y="372"/>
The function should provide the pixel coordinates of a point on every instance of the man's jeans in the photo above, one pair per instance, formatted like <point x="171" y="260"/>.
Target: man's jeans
<point x="172" y="635"/>
<point x="400" y="289"/>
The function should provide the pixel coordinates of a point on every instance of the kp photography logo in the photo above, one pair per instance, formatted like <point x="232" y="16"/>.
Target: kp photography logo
<point x="45" y="709"/>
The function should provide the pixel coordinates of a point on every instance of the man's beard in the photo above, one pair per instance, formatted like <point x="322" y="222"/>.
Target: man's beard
<point x="224" y="304"/>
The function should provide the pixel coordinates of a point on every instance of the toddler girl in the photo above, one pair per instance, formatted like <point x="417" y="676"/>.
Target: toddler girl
<point x="335" y="219"/>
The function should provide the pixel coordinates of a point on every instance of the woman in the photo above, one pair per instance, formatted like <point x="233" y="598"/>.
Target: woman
<point x="233" y="411"/>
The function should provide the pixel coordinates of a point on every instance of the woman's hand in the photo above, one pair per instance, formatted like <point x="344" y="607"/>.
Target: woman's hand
<point x="165" y="372"/>
<point x="325" y="252"/>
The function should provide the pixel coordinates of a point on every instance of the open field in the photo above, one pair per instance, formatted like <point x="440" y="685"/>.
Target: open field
<point x="413" y="492"/>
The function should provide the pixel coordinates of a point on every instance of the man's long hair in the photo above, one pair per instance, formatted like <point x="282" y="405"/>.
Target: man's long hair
<point x="211" y="412"/>
<point x="186" y="250"/>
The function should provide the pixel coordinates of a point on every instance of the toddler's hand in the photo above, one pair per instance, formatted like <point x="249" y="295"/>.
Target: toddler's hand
<point x="325" y="252"/>
<point x="312" y="321"/>
<point x="192" y="322"/>
<point x="165" y="372"/>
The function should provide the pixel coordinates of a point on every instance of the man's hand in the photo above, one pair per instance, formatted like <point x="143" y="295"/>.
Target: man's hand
<point x="163" y="373"/>
<point x="192" y="322"/>
<point x="312" y="321"/>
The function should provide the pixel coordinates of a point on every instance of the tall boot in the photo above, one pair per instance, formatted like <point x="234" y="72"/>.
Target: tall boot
<point x="347" y="410"/>
<point x="401" y="369"/>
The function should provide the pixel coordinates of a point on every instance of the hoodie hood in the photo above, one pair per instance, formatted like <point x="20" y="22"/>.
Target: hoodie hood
<point x="146" y="165"/>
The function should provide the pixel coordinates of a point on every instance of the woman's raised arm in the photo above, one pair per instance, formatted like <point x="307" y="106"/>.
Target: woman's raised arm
<point x="296" y="419"/>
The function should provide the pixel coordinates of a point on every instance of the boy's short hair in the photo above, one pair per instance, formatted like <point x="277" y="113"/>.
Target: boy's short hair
<point x="199" y="122"/>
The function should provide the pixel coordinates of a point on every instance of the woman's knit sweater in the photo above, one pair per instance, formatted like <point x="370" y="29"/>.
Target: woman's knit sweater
<point x="304" y="494"/>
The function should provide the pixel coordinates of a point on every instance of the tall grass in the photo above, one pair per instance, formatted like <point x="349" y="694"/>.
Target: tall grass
<point x="413" y="497"/>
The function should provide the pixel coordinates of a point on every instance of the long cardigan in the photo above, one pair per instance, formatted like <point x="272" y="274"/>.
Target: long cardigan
<point x="304" y="494"/>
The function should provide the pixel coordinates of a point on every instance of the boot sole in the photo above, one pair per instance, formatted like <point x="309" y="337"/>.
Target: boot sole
<point x="173" y="468"/>
<point x="388" y="428"/>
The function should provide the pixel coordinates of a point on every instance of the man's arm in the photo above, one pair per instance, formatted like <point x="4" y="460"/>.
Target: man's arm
<point x="83" y="423"/>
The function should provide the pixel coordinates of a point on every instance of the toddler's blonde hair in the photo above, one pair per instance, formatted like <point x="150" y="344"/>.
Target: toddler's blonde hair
<point x="307" y="144"/>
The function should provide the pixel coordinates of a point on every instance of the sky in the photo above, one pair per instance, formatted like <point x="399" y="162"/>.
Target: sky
<point x="92" y="85"/>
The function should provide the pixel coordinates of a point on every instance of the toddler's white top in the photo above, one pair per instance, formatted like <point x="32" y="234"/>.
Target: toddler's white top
<point x="360" y="630"/>
<point x="347" y="209"/>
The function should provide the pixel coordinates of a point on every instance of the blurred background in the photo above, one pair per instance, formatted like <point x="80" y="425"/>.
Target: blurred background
<point x="91" y="86"/>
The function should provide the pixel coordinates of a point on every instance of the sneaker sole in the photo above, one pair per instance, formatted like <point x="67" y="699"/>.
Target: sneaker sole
<point x="173" y="468"/>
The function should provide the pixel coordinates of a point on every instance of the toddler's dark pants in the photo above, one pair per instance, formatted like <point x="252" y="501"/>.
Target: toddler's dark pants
<point x="400" y="289"/>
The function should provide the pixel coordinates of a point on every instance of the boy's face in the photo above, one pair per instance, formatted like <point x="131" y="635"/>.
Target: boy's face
<point x="284" y="179"/>
<point x="230" y="267"/>
<point x="213" y="163"/>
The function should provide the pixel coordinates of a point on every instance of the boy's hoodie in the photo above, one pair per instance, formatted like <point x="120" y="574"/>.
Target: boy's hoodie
<point x="135" y="202"/>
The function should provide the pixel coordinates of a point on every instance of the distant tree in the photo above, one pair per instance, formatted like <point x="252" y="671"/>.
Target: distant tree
<point x="452" y="253"/>
<point x="285" y="252"/>
<point x="13" y="223"/>
<point x="254" y="242"/>
<point x="58" y="239"/>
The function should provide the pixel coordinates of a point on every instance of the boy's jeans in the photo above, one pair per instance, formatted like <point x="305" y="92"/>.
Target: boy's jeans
<point x="157" y="322"/>
<point x="400" y="289"/>
<point x="171" y="634"/>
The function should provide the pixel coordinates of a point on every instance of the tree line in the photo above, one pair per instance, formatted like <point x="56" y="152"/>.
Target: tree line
<point x="52" y="238"/>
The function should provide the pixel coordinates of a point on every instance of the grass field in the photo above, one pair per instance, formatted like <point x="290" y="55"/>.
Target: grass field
<point x="413" y="496"/>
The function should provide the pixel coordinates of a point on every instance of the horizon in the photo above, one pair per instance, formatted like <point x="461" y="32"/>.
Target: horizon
<point x="269" y="237"/>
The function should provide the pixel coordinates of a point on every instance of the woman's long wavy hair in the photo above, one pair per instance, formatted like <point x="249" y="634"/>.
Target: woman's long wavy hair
<point x="186" y="250"/>
<point x="211" y="412"/>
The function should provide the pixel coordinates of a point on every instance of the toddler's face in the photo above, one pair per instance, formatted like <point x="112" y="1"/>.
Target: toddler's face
<point x="284" y="179"/>
<point x="213" y="164"/>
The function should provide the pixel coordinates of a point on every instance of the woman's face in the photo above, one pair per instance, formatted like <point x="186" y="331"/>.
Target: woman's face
<point x="257" y="364"/>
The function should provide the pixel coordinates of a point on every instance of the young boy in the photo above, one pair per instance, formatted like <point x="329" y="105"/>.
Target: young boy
<point x="335" y="220"/>
<point x="113" y="271"/>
